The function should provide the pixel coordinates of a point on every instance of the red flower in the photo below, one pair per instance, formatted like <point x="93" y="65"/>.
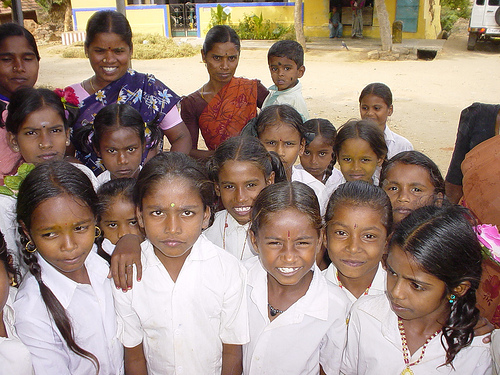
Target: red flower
<point x="68" y="96"/>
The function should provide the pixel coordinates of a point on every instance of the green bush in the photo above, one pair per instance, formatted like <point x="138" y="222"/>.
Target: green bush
<point x="255" y="27"/>
<point x="452" y="10"/>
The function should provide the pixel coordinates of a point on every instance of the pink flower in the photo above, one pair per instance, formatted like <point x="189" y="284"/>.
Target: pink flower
<point x="68" y="96"/>
<point x="490" y="238"/>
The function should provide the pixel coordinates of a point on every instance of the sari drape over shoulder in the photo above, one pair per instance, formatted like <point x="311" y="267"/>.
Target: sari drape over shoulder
<point x="229" y="111"/>
<point x="144" y="92"/>
<point x="481" y="182"/>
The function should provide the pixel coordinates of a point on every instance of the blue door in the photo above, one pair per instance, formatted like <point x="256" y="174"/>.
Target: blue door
<point x="407" y="11"/>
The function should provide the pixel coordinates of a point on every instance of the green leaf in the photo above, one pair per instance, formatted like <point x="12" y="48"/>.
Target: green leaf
<point x="13" y="182"/>
<point x="24" y="169"/>
<point x="4" y="190"/>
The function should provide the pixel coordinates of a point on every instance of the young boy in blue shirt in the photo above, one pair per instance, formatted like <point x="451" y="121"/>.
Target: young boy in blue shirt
<point x="286" y="63"/>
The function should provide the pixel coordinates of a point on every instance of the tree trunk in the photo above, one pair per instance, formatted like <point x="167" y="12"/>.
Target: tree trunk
<point x="385" y="25"/>
<point x="299" y="24"/>
<point x="68" y="25"/>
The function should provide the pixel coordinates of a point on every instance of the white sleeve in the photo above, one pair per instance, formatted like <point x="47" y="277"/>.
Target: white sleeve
<point x="130" y="331"/>
<point x="49" y="352"/>
<point x="333" y="344"/>
<point x="234" y="316"/>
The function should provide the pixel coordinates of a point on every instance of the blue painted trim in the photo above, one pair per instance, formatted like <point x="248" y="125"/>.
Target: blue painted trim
<point x="198" y="29"/>
<point x="164" y="7"/>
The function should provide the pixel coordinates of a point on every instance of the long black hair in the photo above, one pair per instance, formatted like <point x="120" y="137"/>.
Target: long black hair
<point x="443" y="242"/>
<point x="50" y="180"/>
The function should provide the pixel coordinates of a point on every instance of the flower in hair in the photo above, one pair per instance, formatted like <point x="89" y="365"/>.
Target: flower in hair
<point x="489" y="238"/>
<point x="68" y="97"/>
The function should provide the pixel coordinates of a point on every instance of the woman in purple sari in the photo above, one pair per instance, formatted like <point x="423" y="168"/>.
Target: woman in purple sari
<point x="108" y="46"/>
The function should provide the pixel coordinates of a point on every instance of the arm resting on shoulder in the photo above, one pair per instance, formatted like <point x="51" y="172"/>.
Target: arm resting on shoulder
<point x="453" y="192"/>
<point x="127" y="252"/>
<point x="135" y="362"/>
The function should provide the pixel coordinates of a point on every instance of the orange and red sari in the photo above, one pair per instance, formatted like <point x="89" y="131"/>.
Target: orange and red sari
<point x="229" y="111"/>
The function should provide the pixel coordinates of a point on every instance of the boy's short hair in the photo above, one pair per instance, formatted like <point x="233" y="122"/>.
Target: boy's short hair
<point x="289" y="49"/>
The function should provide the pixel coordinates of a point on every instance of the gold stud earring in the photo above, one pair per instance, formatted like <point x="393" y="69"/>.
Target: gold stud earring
<point x="15" y="148"/>
<point x="68" y="142"/>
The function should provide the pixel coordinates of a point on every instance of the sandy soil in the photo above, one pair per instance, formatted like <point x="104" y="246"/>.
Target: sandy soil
<point x="428" y="95"/>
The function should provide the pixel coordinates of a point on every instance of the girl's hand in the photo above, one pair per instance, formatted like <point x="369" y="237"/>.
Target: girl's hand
<point x="127" y="253"/>
<point x="484" y="327"/>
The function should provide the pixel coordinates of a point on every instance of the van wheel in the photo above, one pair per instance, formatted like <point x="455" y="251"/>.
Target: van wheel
<point x="471" y="43"/>
<point x="497" y="16"/>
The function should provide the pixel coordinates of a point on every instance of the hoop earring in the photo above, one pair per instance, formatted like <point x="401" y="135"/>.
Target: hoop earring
<point x="452" y="299"/>
<point x="30" y="247"/>
<point x="98" y="232"/>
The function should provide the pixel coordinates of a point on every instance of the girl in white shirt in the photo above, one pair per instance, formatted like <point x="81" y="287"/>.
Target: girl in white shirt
<point x="15" y="357"/>
<point x="240" y="167"/>
<point x="116" y="214"/>
<point x="297" y="319"/>
<point x="188" y="314"/>
<point x="280" y="129"/>
<point x="64" y="307"/>
<point x="425" y="323"/>
<point x="118" y="136"/>
<point x="358" y="221"/>
<point x="375" y="103"/>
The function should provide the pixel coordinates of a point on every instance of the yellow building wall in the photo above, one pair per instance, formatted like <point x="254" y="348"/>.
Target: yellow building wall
<point x="143" y="19"/>
<point x="281" y="14"/>
<point x="429" y="25"/>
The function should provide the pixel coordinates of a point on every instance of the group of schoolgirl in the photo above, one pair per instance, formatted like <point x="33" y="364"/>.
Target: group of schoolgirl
<point x="246" y="293"/>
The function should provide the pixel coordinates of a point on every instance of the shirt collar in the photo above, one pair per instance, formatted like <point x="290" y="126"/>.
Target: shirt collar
<point x="274" y="89"/>
<point x="388" y="135"/>
<point x="63" y="287"/>
<point x="314" y="303"/>
<point x="233" y="225"/>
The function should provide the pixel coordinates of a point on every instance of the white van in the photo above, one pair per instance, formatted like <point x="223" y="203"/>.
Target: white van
<point x="484" y="21"/>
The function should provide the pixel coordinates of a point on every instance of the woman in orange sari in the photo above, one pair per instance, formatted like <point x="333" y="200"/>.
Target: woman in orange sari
<point x="223" y="105"/>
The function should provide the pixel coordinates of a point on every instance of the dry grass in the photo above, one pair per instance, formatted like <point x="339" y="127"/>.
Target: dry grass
<point x="146" y="47"/>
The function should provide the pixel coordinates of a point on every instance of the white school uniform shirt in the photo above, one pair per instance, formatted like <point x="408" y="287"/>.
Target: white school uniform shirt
<point x="374" y="346"/>
<point x="378" y="284"/>
<point x="495" y="350"/>
<point x="310" y="332"/>
<point x="107" y="246"/>
<point x="15" y="358"/>
<point x="89" y="174"/>
<point x="395" y="143"/>
<point x="333" y="182"/>
<point x="9" y="228"/>
<point x="103" y="177"/>
<point x="233" y="237"/>
<point x="183" y="325"/>
<point x="300" y="174"/>
<point x="91" y="311"/>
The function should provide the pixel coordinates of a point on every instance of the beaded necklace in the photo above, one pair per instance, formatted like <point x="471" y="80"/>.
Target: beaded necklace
<point x="406" y="351"/>
<point x="342" y="286"/>
<point x="224" y="237"/>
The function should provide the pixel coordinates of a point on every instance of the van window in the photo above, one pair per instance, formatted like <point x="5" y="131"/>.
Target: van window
<point x="493" y="2"/>
<point x="480" y="2"/>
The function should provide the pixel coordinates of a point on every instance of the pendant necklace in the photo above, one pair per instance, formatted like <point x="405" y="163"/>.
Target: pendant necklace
<point x="224" y="238"/>
<point x="274" y="311"/>
<point x="406" y="351"/>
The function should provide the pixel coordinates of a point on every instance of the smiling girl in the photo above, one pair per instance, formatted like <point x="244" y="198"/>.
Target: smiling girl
<point x="241" y="167"/>
<point x="297" y="319"/>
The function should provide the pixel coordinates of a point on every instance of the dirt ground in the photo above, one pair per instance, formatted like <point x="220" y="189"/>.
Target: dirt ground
<point x="428" y="95"/>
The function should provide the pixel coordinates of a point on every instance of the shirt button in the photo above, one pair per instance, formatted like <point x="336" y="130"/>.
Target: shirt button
<point x="177" y="332"/>
<point x="179" y="369"/>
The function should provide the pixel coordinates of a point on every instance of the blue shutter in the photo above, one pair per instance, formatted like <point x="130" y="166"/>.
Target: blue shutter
<point x="407" y="11"/>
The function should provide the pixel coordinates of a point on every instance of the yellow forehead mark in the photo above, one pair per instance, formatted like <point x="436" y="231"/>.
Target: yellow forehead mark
<point x="172" y="204"/>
